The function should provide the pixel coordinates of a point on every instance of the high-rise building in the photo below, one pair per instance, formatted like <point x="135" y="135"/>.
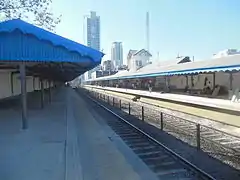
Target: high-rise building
<point x="117" y="54"/>
<point x="107" y="65"/>
<point x="93" y="36"/>
<point x="93" y="31"/>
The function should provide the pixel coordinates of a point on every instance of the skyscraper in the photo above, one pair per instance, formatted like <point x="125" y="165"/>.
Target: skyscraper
<point x="117" y="54"/>
<point x="93" y="36"/>
<point x="93" y="31"/>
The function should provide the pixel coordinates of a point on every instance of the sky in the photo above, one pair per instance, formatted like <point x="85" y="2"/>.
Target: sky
<point x="196" y="28"/>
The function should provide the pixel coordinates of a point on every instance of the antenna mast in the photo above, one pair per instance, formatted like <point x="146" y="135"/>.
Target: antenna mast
<point x="147" y="30"/>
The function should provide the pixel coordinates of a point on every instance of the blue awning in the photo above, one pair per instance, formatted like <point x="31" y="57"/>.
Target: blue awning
<point x="21" y="41"/>
<point x="43" y="35"/>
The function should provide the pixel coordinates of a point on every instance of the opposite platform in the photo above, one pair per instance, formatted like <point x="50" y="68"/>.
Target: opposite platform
<point x="166" y="101"/>
<point x="203" y="101"/>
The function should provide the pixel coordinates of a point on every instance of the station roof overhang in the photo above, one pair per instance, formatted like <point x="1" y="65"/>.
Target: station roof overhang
<point x="224" y="64"/>
<point x="45" y="54"/>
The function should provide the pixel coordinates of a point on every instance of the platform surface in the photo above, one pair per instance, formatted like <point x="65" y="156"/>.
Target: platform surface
<point x="206" y="113"/>
<point x="63" y="141"/>
<point x="204" y="101"/>
<point x="36" y="153"/>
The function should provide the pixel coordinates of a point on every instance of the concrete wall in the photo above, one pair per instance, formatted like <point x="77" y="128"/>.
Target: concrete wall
<point x="180" y="82"/>
<point x="236" y="81"/>
<point x="221" y="78"/>
<point x="6" y="90"/>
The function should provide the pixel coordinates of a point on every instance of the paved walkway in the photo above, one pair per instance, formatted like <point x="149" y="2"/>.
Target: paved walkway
<point x="64" y="141"/>
<point x="36" y="153"/>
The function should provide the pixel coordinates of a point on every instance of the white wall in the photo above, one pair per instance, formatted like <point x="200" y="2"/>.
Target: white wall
<point x="138" y="58"/>
<point x="5" y="84"/>
<point x="29" y="84"/>
<point x="16" y="85"/>
<point x="37" y="83"/>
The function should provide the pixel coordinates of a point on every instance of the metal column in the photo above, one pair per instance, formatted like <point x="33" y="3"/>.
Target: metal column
<point x="42" y="94"/>
<point x="33" y="83"/>
<point x="12" y="83"/>
<point x="23" y="95"/>
<point x="214" y="80"/>
<point x="230" y="80"/>
<point x="187" y="83"/>
<point x="49" y="90"/>
<point x="192" y="84"/>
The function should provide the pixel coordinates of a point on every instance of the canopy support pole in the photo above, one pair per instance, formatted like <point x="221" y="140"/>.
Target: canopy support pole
<point x="12" y="83"/>
<point x="214" y="80"/>
<point x="192" y="84"/>
<point x="23" y="95"/>
<point x="230" y="80"/>
<point x="187" y="83"/>
<point x="49" y="90"/>
<point x="33" y="83"/>
<point x="42" y="94"/>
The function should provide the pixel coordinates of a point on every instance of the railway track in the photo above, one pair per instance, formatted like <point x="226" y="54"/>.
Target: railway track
<point x="219" y="144"/>
<point x="165" y="163"/>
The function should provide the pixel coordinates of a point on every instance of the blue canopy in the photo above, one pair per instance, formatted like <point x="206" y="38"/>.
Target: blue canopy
<point x="21" y="41"/>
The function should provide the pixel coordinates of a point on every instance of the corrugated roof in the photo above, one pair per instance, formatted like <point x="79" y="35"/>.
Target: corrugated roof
<point x="26" y="28"/>
<point x="228" y="63"/>
<point x="54" y="57"/>
<point x="157" y="65"/>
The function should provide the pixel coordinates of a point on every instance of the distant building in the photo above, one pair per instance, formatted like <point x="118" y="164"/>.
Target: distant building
<point x="97" y="74"/>
<point x="137" y="59"/>
<point x="117" y="54"/>
<point x="107" y="65"/>
<point x="93" y="36"/>
<point x="123" y="67"/>
<point x="226" y="52"/>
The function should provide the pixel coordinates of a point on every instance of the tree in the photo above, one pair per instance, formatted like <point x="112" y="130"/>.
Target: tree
<point x="37" y="11"/>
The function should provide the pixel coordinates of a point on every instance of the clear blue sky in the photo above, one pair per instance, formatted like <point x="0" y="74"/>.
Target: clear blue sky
<point x="191" y="27"/>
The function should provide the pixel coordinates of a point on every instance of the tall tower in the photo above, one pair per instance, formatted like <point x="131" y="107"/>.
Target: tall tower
<point x="117" y="54"/>
<point x="147" y="31"/>
<point x="93" y="36"/>
<point x="93" y="31"/>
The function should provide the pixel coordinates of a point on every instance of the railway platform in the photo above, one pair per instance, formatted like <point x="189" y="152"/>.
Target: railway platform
<point x="223" y="111"/>
<point x="203" y="101"/>
<point x="65" y="140"/>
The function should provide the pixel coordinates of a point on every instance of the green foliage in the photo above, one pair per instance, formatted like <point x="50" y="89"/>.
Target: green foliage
<point x="37" y="11"/>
